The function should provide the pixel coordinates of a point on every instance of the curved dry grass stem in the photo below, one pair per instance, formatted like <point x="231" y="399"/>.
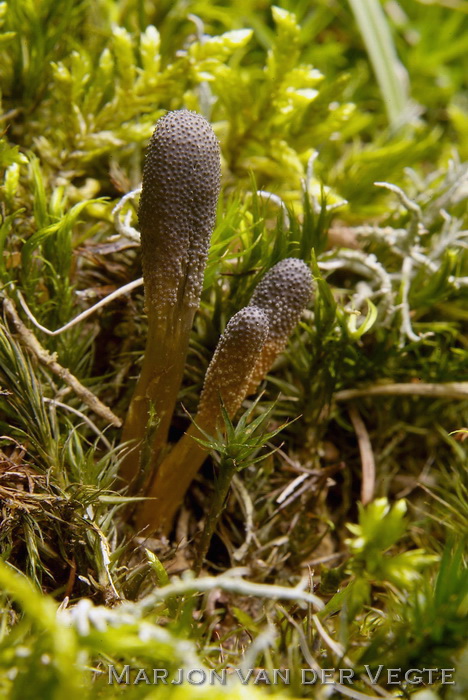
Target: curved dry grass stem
<point x="124" y="289"/>
<point x="181" y="182"/>
<point x="367" y="456"/>
<point x="443" y="390"/>
<point x="234" y="584"/>
<point x="227" y="378"/>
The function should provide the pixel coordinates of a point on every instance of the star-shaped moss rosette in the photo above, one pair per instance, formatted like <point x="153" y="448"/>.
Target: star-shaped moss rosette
<point x="181" y="183"/>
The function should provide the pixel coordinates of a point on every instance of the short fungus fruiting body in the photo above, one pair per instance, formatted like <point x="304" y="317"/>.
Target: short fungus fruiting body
<point x="181" y="183"/>
<point x="227" y="379"/>
<point x="283" y="294"/>
<point x="230" y="370"/>
<point x="246" y="350"/>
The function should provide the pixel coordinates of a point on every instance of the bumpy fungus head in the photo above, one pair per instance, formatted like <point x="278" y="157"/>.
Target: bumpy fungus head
<point x="230" y="370"/>
<point x="282" y="294"/>
<point x="181" y="182"/>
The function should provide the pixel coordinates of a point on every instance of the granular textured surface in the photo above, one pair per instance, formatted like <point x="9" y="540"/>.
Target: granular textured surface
<point x="235" y="357"/>
<point x="282" y="294"/>
<point x="181" y="182"/>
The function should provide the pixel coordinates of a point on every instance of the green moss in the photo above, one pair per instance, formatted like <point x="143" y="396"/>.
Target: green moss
<point x="305" y="133"/>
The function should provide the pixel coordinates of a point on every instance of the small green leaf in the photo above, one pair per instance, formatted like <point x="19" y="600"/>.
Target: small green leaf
<point x="245" y="620"/>
<point x="64" y="225"/>
<point x="357" y="332"/>
<point x="162" y="576"/>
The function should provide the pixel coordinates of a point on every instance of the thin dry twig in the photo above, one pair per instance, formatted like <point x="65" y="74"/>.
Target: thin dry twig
<point x="408" y="203"/>
<point x="269" y="196"/>
<point x="125" y="289"/>
<point x="444" y="390"/>
<point x="44" y="357"/>
<point x="85" y="419"/>
<point x="315" y="666"/>
<point x="367" y="456"/>
<point x="406" y="328"/>
<point x="336" y="647"/>
<point x="123" y="227"/>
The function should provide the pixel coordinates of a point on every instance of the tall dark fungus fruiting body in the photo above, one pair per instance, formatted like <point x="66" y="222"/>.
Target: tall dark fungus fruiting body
<point x="181" y="183"/>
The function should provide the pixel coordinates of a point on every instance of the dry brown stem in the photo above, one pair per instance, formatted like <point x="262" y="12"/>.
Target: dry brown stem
<point x="367" y="456"/>
<point x="447" y="390"/>
<point x="44" y="357"/>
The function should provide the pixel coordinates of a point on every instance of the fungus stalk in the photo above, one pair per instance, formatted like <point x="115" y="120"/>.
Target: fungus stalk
<point x="181" y="182"/>
<point x="227" y="378"/>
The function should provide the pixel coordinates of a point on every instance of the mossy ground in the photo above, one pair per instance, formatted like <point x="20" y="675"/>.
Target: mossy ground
<point x="376" y="374"/>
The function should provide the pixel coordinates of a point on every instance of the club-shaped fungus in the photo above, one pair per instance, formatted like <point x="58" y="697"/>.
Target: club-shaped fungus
<point x="227" y="378"/>
<point x="181" y="182"/>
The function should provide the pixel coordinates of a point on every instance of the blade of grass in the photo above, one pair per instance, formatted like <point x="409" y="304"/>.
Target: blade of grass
<point x="390" y="73"/>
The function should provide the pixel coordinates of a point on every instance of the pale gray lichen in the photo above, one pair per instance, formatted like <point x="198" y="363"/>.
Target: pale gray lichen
<point x="181" y="183"/>
<point x="231" y="367"/>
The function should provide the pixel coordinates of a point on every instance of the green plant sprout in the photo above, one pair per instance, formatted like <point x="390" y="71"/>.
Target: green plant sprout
<point x="380" y="527"/>
<point x="234" y="450"/>
<point x="181" y="181"/>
